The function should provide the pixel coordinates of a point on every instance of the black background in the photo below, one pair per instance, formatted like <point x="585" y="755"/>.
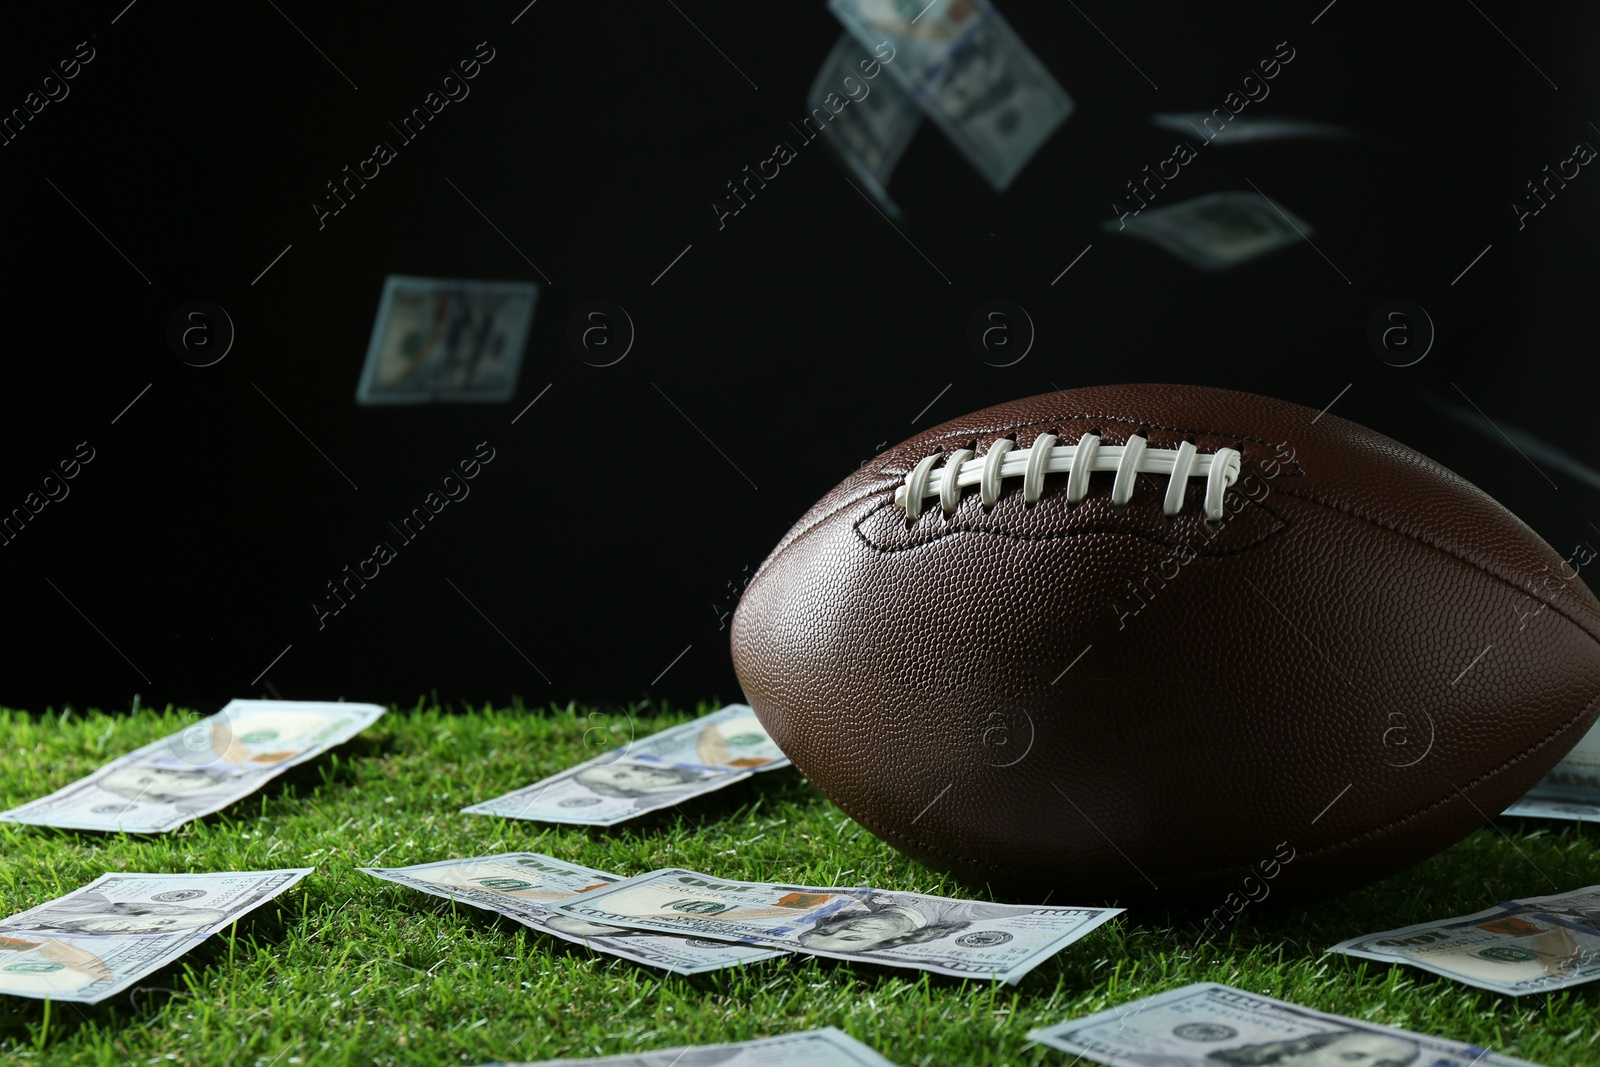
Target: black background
<point x="626" y="506"/>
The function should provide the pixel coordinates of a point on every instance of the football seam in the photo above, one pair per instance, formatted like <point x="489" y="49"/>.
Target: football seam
<point x="1283" y="525"/>
<point x="969" y="861"/>
<point x="800" y="531"/>
<point x="1380" y="524"/>
<point x="1458" y="557"/>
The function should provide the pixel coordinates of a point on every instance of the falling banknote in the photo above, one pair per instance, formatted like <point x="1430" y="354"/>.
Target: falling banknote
<point x="1208" y="1025"/>
<point x="1243" y="129"/>
<point x="1523" y="946"/>
<point x="874" y="120"/>
<point x="201" y="769"/>
<point x="521" y="885"/>
<point x="969" y="72"/>
<point x="1572" y="788"/>
<point x="963" y="938"/>
<point x="655" y="772"/>
<point x="1216" y="231"/>
<point x="101" y="939"/>
<point x="827" y="1047"/>
<point x="446" y="339"/>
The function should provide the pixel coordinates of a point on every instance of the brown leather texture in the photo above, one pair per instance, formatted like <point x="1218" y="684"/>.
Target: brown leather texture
<point x="1360" y="663"/>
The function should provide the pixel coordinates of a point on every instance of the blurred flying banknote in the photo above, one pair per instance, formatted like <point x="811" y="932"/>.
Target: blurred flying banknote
<point x="444" y="339"/>
<point x="874" y="120"/>
<point x="99" y="940"/>
<point x="1211" y="1025"/>
<point x="963" y="938"/>
<point x="520" y="885"/>
<point x="658" y="771"/>
<point x="1523" y="946"/>
<point x="969" y="72"/>
<point x="1217" y="230"/>
<point x="1572" y="788"/>
<point x="1237" y="130"/>
<point x="827" y="1047"/>
<point x="201" y="769"/>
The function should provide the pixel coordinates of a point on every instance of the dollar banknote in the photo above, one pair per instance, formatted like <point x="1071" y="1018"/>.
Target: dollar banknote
<point x="964" y="938"/>
<point x="200" y="769"/>
<point x="521" y="885"/>
<point x="446" y="339"/>
<point x="1571" y="790"/>
<point x="1522" y="946"/>
<point x="99" y="940"/>
<point x="1218" y="230"/>
<point x="1245" y="129"/>
<point x="869" y="121"/>
<point x="649" y="774"/>
<point x="968" y="71"/>
<point x="1211" y="1025"/>
<point x="1534" y="806"/>
<point x="827" y="1047"/>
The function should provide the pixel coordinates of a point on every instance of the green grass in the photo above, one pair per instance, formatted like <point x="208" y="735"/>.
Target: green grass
<point x="347" y="969"/>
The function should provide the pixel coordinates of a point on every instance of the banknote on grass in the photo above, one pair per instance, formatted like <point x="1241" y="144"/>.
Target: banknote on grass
<point x="962" y="938"/>
<point x="1571" y="790"/>
<point x="968" y="71"/>
<point x="446" y="339"/>
<point x="200" y="769"/>
<point x="868" y="121"/>
<point x="1535" y="806"/>
<point x="1533" y="945"/>
<point x="1218" y="230"/>
<point x="827" y="1047"/>
<point x="651" y="773"/>
<point x="1211" y="1025"/>
<point x="522" y="885"/>
<point x="99" y="940"/>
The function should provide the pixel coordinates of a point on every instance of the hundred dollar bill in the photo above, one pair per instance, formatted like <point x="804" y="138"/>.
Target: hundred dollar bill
<point x="1247" y="129"/>
<point x="1571" y="790"/>
<point x="969" y="72"/>
<point x="99" y="940"/>
<point x="521" y="885"/>
<point x="827" y="1047"/>
<point x="1217" y="230"/>
<point x="654" y="772"/>
<point x="446" y="339"/>
<point x="201" y="769"/>
<point x="964" y="938"/>
<point x="1522" y="946"/>
<point x="1211" y="1025"/>
<point x="1534" y="806"/>
<point x="869" y="121"/>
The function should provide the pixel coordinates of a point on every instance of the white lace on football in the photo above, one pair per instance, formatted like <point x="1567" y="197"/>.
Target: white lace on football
<point x="963" y="468"/>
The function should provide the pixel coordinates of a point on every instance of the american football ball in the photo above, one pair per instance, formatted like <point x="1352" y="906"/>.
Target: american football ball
<point x="1163" y="642"/>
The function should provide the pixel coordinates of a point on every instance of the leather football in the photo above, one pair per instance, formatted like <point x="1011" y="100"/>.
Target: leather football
<point x="1159" y="642"/>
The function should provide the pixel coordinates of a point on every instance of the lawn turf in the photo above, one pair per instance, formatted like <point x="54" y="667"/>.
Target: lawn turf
<point x="344" y="968"/>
